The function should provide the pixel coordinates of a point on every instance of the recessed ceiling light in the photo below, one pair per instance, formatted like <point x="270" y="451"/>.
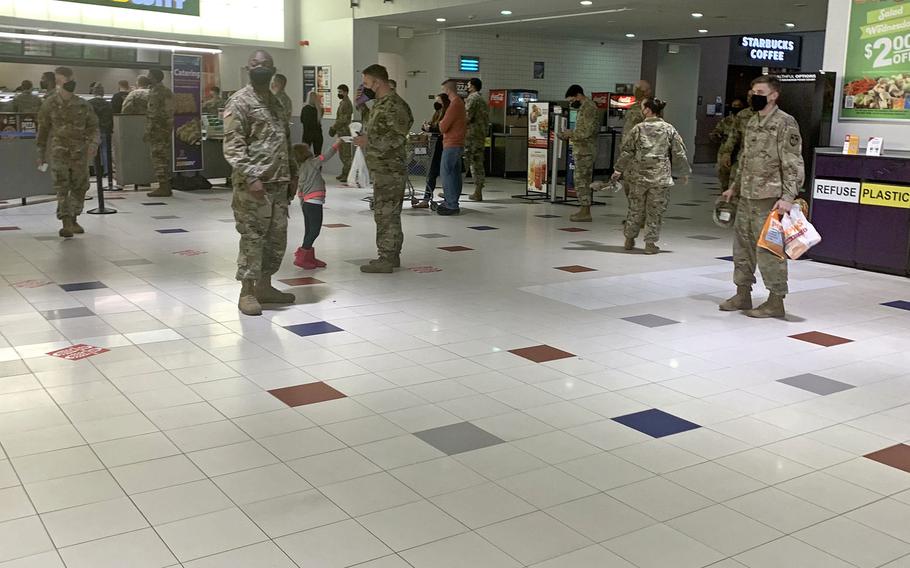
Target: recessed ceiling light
<point x="586" y="2"/>
<point x="440" y="19"/>
<point x="697" y="15"/>
<point x="630" y="35"/>
<point x="702" y="31"/>
<point x="790" y="25"/>
<point x="506" y="12"/>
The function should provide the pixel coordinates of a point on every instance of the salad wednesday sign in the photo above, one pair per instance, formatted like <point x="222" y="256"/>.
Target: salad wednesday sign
<point x="877" y="74"/>
<point x="185" y="7"/>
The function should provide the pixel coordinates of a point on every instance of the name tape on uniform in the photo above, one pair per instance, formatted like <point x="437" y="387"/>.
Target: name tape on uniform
<point x="885" y="195"/>
<point x="833" y="190"/>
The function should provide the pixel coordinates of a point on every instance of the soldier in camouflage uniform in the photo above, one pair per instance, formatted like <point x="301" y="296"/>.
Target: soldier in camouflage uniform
<point x="212" y="104"/>
<point x="279" y="84"/>
<point x="159" y="132"/>
<point x="728" y="154"/>
<point x="584" y="149"/>
<point x="68" y="139"/>
<point x="385" y="145"/>
<point x="634" y="116"/>
<point x="342" y="127"/>
<point x="475" y="141"/>
<point x="137" y="102"/>
<point x="257" y="145"/>
<point x="26" y="101"/>
<point x="719" y="135"/>
<point x="770" y="175"/>
<point x="651" y="153"/>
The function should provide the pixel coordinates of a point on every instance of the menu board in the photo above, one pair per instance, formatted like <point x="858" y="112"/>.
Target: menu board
<point x="37" y="48"/>
<point x="10" y="47"/>
<point x="67" y="51"/>
<point x="123" y="54"/>
<point x="97" y="52"/>
<point x="877" y="71"/>
<point x="538" y="144"/>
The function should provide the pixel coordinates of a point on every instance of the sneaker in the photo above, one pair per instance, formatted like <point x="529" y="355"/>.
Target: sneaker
<point x="445" y="211"/>
<point x="421" y="205"/>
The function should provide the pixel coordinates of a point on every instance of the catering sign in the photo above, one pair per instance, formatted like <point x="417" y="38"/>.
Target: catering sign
<point x="885" y="195"/>
<point x="833" y="190"/>
<point x="766" y="51"/>
<point x="184" y="7"/>
<point x="877" y="71"/>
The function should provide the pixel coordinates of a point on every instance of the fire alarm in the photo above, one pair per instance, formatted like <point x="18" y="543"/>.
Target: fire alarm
<point x="305" y="43"/>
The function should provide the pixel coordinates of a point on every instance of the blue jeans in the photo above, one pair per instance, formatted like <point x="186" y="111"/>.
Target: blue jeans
<point x="451" y="176"/>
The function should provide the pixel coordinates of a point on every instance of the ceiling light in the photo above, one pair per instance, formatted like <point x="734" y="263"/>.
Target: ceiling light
<point x="506" y="12"/>
<point x="107" y="43"/>
<point x="697" y="15"/>
<point x="790" y="25"/>
<point x="630" y="35"/>
<point x="702" y="31"/>
<point x="586" y="2"/>
<point x="440" y="19"/>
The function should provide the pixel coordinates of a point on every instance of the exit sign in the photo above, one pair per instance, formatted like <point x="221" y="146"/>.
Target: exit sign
<point x="184" y="7"/>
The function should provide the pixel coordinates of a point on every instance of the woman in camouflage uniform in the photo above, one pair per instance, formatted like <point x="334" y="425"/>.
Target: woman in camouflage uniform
<point x="651" y="152"/>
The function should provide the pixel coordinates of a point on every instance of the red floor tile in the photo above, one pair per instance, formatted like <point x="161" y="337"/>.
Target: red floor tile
<point x="301" y="281"/>
<point x="541" y="353"/>
<point x="455" y="248"/>
<point x="896" y="456"/>
<point x="823" y="339"/>
<point x="575" y="269"/>
<point x="302" y="395"/>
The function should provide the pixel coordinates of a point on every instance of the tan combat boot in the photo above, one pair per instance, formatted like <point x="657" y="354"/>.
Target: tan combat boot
<point x="773" y="308"/>
<point x="478" y="194"/>
<point x="66" y="231"/>
<point x="268" y="294"/>
<point x="629" y="244"/>
<point x="741" y="301"/>
<point x="381" y="265"/>
<point x="77" y="228"/>
<point x="164" y="190"/>
<point x="651" y="248"/>
<point x="582" y="216"/>
<point x="248" y="304"/>
<point x="395" y="259"/>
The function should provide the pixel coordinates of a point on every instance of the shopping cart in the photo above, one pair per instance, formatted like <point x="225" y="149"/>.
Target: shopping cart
<point x="420" y="149"/>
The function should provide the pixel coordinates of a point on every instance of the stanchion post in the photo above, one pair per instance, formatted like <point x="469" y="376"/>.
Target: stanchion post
<point x="99" y="175"/>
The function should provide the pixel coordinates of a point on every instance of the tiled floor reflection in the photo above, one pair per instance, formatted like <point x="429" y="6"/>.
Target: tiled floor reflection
<point x="540" y="401"/>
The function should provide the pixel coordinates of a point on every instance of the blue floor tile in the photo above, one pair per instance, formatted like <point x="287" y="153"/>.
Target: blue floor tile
<point x="484" y="228"/>
<point x="169" y="231"/>
<point x="317" y="328"/>
<point x="899" y="304"/>
<point x="80" y="286"/>
<point x="727" y="258"/>
<point x="656" y="423"/>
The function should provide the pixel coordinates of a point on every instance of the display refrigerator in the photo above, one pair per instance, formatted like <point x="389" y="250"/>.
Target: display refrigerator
<point x="509" y="120"/>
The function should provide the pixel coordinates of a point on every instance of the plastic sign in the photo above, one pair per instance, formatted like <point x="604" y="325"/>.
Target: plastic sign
<point x="767" y="51"/>
<point x="184" y="7"/>
<point x="498" y="98"/>
<point x="885" y="195"/>
<point x="833" y="190"/>
<point x="469" y="64"/>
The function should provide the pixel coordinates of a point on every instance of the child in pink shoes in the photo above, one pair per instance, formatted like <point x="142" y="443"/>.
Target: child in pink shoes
<point x="311" y="191"/>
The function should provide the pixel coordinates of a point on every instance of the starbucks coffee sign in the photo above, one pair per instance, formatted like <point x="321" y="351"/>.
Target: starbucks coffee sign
<point x="183" y="7"/>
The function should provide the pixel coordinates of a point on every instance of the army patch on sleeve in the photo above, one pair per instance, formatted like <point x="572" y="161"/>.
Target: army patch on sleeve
<point x="794" y="140"/>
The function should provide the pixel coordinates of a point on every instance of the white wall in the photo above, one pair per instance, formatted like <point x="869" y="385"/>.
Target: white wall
<point x="677" y="83"/>
<point x="422" y="71"/>
<point x="896" y="135"/>
<point x="507" y="61"/>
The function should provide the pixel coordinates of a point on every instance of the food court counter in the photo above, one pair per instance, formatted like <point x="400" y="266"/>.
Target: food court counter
<point x="861" y="208"/>
<point x="19" y="175"/>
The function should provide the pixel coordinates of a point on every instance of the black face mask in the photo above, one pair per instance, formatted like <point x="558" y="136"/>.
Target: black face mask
<point x="576" y="104"/>
<point x="759" y="102"/>
<point x="69" y="86"/>
<point x="261" y="76"/>
<point x="437" y="106"/>
<point x="369" y="93"/>
<point x="736" y="110"/>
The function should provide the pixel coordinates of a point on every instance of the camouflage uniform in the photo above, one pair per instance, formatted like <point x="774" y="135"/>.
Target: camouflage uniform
<point x="286" y="103"/>
<point x="390" y="122"/>
<point x="137" y="102"/>
<point x="159" y="132"/>
<point x="732" y="146"/>
<point x="645" y="162"/>
<point x="257" y="145"/>
<point x="475" y="142"/>
<point x="584" y="149"/>
<point x="68" y="139"/>
<point x="771" y="168"/>
<point x="26" y="102"/>
<point x="342" y="127"/>
<point x="211" y="105"/>
<point x="719" y="135"/>
<point x="633" y="118"/>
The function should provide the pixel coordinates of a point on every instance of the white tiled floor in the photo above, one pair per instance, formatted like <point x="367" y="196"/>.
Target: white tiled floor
<point x="167" y="450"/>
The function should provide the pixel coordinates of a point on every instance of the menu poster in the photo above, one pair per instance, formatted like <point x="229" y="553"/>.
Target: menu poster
<point x="9" y="129"/>
<point x="877" y="72"/>
<point x="538" y="144"/>
<point x="309" y="81"/>
<point x="187" y="72"/>
<point x="324" y="88"/>
<point x="28" y="125"/>
<point x="874" y="146"/>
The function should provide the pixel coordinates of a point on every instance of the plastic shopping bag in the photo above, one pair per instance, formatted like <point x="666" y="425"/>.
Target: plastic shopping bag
<point x="772" y="235"/>
<point x="799" y="234"/>
<point x="360" y="174"/>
